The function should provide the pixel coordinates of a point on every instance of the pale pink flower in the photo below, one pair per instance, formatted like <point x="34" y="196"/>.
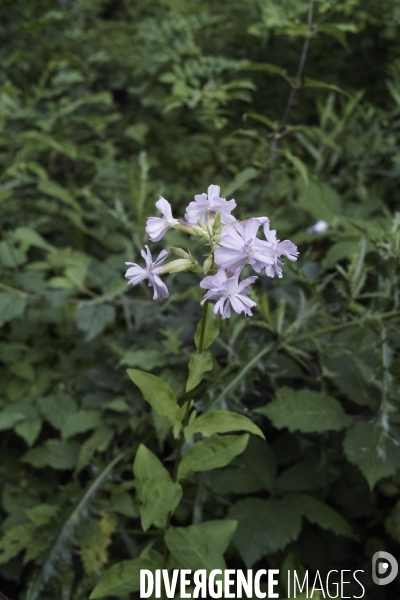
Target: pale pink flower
<point x="210" y="205"/>
<point x="239" y="244"/>
<point x="228" y="292"/>
<point x="285" y="248"/>
<point x="156" y="227"/>
<point x="152" y="270"/>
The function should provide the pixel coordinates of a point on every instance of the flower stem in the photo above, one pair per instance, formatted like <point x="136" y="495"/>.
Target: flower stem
<point x="181" y="435"/>
<point x="203" y="327"/>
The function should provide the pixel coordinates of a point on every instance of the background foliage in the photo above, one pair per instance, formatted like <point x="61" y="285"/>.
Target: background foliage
<point x="104" y="106"/>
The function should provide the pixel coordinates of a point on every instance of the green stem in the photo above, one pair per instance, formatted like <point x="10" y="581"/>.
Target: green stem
<point x="203" y="327"/>
<point x="334" y="328"/>
<point x="175" y="479"/>
<point x="294" y="340"/>
<point x="181" y="435"/>
<point x="20" y="293"/>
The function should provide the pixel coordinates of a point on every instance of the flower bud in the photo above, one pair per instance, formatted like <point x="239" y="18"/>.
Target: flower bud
<point x="208" y="264"/>
<point x="217" y="223"/>
<point x="190" y="229"/>
<point x="180" y="252"/>
<point x="178" y="266"/>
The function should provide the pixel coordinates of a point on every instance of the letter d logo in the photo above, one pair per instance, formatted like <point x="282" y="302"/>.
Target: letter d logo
<point x="383" y="568"/>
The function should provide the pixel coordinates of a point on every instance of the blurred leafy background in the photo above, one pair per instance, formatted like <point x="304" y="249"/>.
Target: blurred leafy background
<point x="104" y="105"/>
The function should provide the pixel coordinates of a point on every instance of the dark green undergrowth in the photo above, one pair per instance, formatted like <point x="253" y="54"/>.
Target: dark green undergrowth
<point x="106" y="105"/>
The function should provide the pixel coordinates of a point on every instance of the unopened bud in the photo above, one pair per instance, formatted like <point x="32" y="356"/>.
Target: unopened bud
<point x="217" y="223"/>
<point x="200" y="232"/>
<point x="208" y="264"/>
<point x="178" y="266"/>
<point x="190" y="229"/>
<point x="202" y="225"/>
<point x="180" y="252"/>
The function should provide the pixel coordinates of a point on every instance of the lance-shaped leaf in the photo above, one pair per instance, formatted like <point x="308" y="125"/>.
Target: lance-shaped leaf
<point x="201" y="546"/>
<point x="122" y="578"/>
<point x="211" y="329"/>
<point x="198" y="365"/>
<point x="160" y="497"/>
<point x="157" y="393"/>
<point x="221" y="421"/>
<point x="212" y="453"/>
<point x="146" y="467"/>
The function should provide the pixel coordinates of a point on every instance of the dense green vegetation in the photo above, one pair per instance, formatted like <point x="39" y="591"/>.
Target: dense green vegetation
<point x="105" y="105"/>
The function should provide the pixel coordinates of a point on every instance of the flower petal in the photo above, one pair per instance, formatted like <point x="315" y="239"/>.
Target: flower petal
<point x="164" y="206"/>
<point x="156" y="228"/>
<point x="213" y="191"/>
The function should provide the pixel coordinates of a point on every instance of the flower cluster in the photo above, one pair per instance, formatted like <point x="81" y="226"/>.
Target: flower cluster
<point x="233" y="245"/>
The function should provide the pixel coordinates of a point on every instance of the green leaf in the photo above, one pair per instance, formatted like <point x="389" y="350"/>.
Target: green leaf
<point x="323" y="515"/>
<point x="222" y="421"/>
<point x="240" y="180"/>
<point x="93" y="319"/>
<point x="259" y="459"/>
<point x="201" y="546"/>
<point x="263" y="119"/>
<point x="212" y="453"/>
<point x="362" y="446"/>
<point x="122" y="578"/>
<point x="198" y="365"/>
<point x="9" y="419"/>
<point x="55" y="453"/>
<point x="318" y="199"/>
<point x="160" y="496"/>
<point x="265" y="526"/>
<point x="211" y="329"/>
<point x="14" y="540"/>
<point x="220" y="532"/>
<point x="97" y="442"/>
<point x="303" y="475"/>
<point x="79" y="422"/>
<point x="322" y="84"/>
<point x="144" y="359"/>
<point x="157" y="393"/>
<point x="344" y="370"/>
<point x="55" y="409"/>
<point x="24" y="370"/>
<point x="95" y="541"/>
<point x="41" y="514"/>
<point x="305" y="411"/>
<point x="60" y="549"/>
<point x="11" y="256"/>
<point x="269" y="67"/>
<point x="338" y="31"/>
<point x="31" y="237"/>
<point x="298" y="165"/>
<point x="233" y="480"/>
<point x="57" y="191"/>
<point x="29" y="430"/>
<point x="11" y="306"/>
<point x="146" y="467"/>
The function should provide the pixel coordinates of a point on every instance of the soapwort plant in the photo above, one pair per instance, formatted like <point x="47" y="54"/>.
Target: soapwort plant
<point x="232" y="245"/>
